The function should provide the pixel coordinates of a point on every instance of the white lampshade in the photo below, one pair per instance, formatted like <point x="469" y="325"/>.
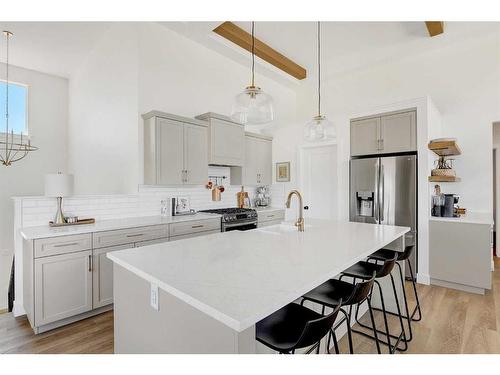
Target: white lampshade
<point x="59" y="185"/>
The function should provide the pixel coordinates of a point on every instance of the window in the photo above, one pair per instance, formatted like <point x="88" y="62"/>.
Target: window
<point x="18" y="96"/>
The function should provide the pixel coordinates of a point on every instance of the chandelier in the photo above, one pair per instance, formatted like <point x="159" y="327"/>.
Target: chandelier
<point x="12" y="147"/>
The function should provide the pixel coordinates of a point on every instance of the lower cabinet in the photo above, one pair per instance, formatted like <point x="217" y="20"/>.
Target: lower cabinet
<point x="102" y="276"/>
<point x="63" y="286"/>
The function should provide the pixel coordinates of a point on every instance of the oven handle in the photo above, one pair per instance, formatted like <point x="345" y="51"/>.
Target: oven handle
<point x="239" y="224"/>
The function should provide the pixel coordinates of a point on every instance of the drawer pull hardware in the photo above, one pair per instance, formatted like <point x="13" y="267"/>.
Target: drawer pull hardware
<point x="135" y="235"/>
<point x="90" y="263"/>
<point x="66" y="244"/>
<point x="197" y="226"/>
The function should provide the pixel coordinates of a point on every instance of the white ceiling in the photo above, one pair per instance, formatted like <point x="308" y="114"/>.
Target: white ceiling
<point x="346" y="46"/>
<point x="60" y="47"/>
<point x="56" y="48"/>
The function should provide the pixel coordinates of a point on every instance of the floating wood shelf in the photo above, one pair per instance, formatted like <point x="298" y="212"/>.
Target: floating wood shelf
<point x="444" y="179"/>
<point x="444" y="148"/>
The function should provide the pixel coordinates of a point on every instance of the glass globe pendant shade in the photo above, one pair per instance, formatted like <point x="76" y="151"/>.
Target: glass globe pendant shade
<point x="316" y="129"/>
<point x="253" y="106"/>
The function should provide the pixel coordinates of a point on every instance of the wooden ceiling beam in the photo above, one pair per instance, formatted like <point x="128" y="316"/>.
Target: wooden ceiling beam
<point x="237" y="35"/>
<point x="435" y="27"/>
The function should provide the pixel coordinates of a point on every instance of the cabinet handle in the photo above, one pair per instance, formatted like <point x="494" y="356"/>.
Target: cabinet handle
<point x="90" y="263"/>
<point x="270" y="215"/>
<point x="66" y="244"/>
<point x="381" y="144"/>
<point x="135" y="235"/>
<point x="186" y="172"/>
<point x="197" y="226"/>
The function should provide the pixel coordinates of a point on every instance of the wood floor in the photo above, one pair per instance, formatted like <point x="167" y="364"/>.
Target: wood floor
<point x="453" y="322"/>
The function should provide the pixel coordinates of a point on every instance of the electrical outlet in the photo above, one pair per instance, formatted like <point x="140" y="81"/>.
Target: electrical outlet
<point x="154" y="297"/>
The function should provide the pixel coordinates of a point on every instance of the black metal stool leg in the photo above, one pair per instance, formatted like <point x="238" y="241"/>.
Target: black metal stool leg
<point x="417" y="307"/>
<point x="407" y="317"/>
<point x="386" y="324"/>
<point x="375" y="336"/>
<point x="349" y="333"/>
<point x="402" y="335"/>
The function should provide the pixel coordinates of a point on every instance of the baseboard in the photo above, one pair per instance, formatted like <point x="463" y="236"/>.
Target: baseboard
<point x="63" y="322"/>
<point x="462" y="287"/>
<point x="423" y="279"/>
<point x="3" y="311"/>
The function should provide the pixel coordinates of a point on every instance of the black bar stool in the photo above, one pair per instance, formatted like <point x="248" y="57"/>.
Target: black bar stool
<point x="364" y="270"/>
<point x="332" y="292"/>
<point x="294" y="327"/>
<point x="383" y="255"/>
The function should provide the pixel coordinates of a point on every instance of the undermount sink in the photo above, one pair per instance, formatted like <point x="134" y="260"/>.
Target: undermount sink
<point x="284" y="227"/>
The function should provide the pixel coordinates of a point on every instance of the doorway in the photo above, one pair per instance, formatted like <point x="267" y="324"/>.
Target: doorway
<point x="319" y="180"/>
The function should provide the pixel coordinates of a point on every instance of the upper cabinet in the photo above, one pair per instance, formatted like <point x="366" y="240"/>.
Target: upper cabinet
<point x="384" y="134"/>
<point x="175" y="150"/>
<point x="226" y="140"/>
<point x="257" y="169"/>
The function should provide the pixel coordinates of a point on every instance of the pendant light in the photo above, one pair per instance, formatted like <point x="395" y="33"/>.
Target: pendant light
<point x="253" y="106"/>
<point x="11" y="150"/>
<point x="315" y="130"/>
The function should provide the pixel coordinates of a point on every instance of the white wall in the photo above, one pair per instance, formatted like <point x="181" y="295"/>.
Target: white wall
<point x="48" y="116"/>
<point x="137" y="68"/>
<point x="103" y="117"/>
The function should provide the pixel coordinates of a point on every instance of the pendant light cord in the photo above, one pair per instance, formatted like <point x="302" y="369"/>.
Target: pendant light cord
<point x="319" y="70"/>
<point x="253" y="53"/>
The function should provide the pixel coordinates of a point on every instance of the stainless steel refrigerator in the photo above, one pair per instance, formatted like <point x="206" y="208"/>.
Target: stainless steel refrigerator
<point x="383" y="190"/>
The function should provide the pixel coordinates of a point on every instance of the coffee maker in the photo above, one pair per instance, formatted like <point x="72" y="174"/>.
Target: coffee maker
<point x="450" y="203"/>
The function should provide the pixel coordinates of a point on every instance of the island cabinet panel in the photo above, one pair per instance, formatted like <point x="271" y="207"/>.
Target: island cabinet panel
<point x="132" y="235"/>
<point x="102" y="276"/>
<point x="62" y="245"/>
<point x="63" y="286"/>
<point x="257" y="169"/>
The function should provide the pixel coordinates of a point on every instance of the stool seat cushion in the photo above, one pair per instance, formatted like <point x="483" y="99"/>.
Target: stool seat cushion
<point x="282" y="329"/>
<point x="363" y="270"/>
<point x="384" y="254"/>
<point x="330" y="293"/>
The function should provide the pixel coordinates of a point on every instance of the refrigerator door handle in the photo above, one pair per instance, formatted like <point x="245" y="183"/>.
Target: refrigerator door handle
<point x="382" y="193"/>
<point x="376" y="203"/>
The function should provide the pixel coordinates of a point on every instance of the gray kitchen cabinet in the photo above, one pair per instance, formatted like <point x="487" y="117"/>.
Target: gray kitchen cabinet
<point x="398" y="132"/>
<point x="267" y="217"/>
<point x="258" y="167"/>
<point x="226" y="140"/>
<point x="151" y="242"/>
<point x="365" y="136"/>
<point x="102" y="276"/>
<point x="193" y="235"/>
<point x="460" y="255"/>
<point x="175" y="150"/>
<point x="384" y="134"/>
<point x="63" y="286"/>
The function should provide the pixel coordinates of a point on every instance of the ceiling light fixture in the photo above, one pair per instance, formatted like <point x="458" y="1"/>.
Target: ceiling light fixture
<point x="12" y="150"/>
<point x="316" y="129"/>
<point x="253" y="106"/>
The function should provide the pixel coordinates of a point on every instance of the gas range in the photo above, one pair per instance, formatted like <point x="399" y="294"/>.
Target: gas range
<point x="236" y="218"/>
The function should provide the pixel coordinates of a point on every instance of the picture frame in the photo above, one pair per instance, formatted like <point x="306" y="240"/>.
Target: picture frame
<point x="283" y="171"/>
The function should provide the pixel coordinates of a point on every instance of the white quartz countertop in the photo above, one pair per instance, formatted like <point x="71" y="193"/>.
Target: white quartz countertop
<point x="470" y="218"/>
<point x="239" y="278"/>
<point x="44" y="231"/>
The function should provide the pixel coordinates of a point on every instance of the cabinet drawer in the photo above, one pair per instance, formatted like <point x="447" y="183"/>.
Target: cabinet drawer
<point x="192" y="235"/>
<point x="62" y="245"/>
<point x="132" y="235"/>
<point x="151" y="242"/>
<point x="188" y="227"/>
<point x="271" y="216"/>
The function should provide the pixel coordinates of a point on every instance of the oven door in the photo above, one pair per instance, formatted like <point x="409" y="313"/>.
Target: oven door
<point x="242" y="225"/>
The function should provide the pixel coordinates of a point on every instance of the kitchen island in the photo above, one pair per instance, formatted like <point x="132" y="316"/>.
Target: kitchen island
<point x="205" y="295"/>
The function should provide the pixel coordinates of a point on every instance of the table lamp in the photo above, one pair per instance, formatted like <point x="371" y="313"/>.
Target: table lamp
<point x="59" y="185"/>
